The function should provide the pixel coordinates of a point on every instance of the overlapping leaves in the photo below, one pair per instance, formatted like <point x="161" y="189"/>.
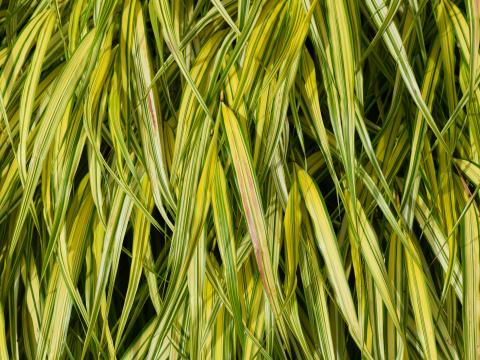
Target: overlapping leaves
<point x="239" y="179"/>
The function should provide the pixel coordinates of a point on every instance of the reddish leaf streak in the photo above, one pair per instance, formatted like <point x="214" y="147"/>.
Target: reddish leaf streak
<point x="150" y="108"/>
<point x="251" y="227"/>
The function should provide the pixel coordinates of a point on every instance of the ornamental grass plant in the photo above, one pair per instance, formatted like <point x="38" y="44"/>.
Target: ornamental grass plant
<point x="239" y="179"/>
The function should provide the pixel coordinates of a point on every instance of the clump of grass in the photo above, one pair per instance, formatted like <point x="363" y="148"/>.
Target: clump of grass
<point x="239" y="179"/>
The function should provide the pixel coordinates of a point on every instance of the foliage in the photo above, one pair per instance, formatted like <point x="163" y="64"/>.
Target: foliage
<point x="239" y="179"/>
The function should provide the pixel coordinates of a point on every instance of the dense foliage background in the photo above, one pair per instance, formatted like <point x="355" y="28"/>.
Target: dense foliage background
<point x="239" y="179"/>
